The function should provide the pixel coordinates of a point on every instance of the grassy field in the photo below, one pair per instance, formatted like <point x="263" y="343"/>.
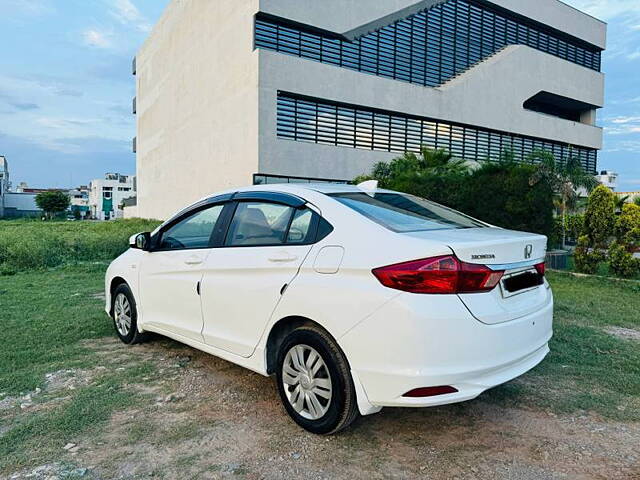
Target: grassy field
<point x="32" y="244"/>
<point x="45" y="319"/>
<point x="51" y="318"/>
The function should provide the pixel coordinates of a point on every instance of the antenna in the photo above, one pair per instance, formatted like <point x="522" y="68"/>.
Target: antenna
<point x="369" y="187"/>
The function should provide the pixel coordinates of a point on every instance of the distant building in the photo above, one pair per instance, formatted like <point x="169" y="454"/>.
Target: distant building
<point x="106" y="195"/>
<point x="79" y="202"/>
<point x="608" y="179"/>
<point x="4" y="182"/>
<point x="15" y="204"/>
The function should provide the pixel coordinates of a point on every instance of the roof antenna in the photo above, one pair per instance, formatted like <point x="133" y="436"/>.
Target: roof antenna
<point x="369" y="187"/>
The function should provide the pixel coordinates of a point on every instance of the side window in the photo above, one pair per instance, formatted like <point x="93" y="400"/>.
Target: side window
<point x="192" y="232"/>
<point x="259" y="223"/>
<point x="300" y="229"/>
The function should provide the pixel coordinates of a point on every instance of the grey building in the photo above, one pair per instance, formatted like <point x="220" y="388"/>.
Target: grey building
<point x="239" y="91"/>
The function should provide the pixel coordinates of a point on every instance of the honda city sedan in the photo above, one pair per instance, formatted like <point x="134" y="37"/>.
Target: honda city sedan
<point x="355" y="298"/>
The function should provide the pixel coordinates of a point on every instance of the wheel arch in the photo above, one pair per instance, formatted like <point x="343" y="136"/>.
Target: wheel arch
<point x="115" y="283"/>
<point x="280" y="330"/>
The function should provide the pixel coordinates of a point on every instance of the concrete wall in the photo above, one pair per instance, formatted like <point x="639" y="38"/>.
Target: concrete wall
<point x="130" y="212"/>
<point x="197" y="103"/>
<point x="489" y="95"/>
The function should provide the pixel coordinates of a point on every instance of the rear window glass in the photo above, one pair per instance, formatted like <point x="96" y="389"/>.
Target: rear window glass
<point x="405" y="213"/>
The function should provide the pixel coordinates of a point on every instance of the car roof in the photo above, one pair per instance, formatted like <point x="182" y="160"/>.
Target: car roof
<point x="300" y="188"/>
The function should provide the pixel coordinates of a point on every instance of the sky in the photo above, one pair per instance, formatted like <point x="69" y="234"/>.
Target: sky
<point x="66" y="87"/>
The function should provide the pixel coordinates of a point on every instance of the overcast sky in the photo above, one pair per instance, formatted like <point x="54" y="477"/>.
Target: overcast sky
<point x="66" y="87"/>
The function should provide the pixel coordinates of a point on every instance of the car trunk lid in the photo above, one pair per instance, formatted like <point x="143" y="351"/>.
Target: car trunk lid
<point x="510" y="251"/>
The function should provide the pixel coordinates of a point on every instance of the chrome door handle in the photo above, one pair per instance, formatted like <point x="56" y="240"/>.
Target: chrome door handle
<point x="283" y="258"/>
<point x="193" y="261"/>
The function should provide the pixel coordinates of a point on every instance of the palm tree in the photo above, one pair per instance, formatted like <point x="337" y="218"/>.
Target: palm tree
<point x="620" y="201"/>
<point x="565" y="178"/>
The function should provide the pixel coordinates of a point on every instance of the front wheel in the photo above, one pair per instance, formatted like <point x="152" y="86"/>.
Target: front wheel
<point x="125" y="316"/>
<point x="314" y="381"/>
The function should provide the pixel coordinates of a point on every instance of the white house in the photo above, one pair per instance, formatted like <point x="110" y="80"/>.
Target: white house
<point x="106" y="195"/>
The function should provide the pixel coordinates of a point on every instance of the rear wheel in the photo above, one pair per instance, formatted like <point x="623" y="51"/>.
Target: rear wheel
<point x="314" y="381"/>
<point x="125" y="316"/>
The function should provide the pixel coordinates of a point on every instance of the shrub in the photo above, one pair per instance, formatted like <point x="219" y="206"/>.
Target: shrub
<point x="502" y="194"/>
<point x="627" y="227"/>
<point x="622" y="263"/>
<point x="31" y="245"/>
<point x="499" y="193"/>
<point x="599" y="219"/>
<point x="587" y="260"/>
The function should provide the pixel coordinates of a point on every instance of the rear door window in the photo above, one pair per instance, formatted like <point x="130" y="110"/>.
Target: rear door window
<point x="259" y="224"/>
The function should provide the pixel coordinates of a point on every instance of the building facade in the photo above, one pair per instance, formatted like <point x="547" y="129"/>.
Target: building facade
<point x="4" y="182"/>
<point x="239" y="91"/>
<point x="79" y="202"/>
<point x="106" y="195"/>
<point x="609" y="179"/>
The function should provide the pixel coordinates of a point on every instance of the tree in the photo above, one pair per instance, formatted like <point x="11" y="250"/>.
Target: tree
<point x="627" y="229"/>
<point x="564" y="178"/>
<point x="53" y="202"/>
<point x="411" y="165"/>
<point x="637" y="201"/>
<point x="599" y="223"/>
<point x="600" y="217"/>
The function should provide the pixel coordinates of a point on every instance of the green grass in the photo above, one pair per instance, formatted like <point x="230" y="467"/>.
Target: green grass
<point x="587" y="369"/>
<point x="27" y="245"/>
<point x="44" y="318"/>
<point x="46" y="315"/>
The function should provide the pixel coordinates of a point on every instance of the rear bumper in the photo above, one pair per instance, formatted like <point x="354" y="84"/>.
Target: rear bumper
<point x="397" y="350"/>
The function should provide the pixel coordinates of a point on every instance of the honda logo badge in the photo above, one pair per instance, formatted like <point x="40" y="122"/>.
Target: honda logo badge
<point x="528" y="251"/>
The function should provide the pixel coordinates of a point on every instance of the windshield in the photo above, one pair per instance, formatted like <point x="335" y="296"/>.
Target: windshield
<point x="405" y="213"/>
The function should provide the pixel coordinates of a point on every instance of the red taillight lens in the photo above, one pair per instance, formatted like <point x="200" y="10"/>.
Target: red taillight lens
<point x="541" y="268"/>
<point x="430" y="391"/>
<point x="438" y="275"/>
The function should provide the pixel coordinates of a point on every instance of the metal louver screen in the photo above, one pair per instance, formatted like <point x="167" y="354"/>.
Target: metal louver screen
<point x="317" y="121"/>
<point x="428" y="48"/>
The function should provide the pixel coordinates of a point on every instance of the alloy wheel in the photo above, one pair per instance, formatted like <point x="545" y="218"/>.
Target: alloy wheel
<point x="122" y="314"/>
<point x="306" y="381"/>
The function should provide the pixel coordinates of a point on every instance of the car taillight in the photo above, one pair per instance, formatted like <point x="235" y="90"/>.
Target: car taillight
<point x="438" y="275"/>
<point x="541" y="268"/>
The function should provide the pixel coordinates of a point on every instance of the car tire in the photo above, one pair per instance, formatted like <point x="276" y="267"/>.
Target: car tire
<point x="124" y="313"/>
<point x="318" y="393"/>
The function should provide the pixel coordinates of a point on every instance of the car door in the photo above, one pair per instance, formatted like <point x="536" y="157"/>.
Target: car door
<point x="171" y="272"/>
<point x="265" y="245"/>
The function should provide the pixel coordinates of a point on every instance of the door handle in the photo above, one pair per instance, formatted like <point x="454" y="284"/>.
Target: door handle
<point x="283" y="257"/>
<point x="193" y="260"/>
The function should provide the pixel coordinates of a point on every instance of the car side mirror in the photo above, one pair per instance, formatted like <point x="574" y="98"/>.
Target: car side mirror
<point x="140" y="241"/>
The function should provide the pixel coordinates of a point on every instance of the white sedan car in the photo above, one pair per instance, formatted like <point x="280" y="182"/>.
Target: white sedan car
<point x="355" y="298"/>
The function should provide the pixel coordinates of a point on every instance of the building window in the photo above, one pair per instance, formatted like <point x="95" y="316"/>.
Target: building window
<point x="428" y="48"/>
<point x="266" y="179"/>
<point x="124" y="189"/>
<point x="318" y="121"/>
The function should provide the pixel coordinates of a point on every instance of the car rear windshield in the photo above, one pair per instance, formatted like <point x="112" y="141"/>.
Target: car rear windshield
<point x="405" y="213"/>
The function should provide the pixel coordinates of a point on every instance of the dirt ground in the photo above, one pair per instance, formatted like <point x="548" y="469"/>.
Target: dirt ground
<point x="207" y="418"/>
